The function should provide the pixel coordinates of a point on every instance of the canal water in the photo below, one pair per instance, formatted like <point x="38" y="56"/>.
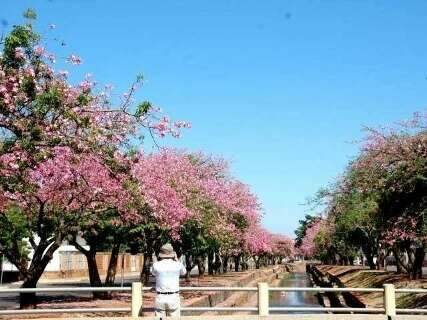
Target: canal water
<point x="294" y="299"/>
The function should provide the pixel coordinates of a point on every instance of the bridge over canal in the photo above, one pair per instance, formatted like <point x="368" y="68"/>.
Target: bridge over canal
<point x="263" y="310"/>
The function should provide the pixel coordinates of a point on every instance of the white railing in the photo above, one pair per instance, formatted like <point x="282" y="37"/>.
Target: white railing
<point x="263" y="308"/>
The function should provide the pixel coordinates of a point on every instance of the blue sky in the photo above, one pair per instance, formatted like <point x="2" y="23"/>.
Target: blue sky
<point x="279" y="88"/>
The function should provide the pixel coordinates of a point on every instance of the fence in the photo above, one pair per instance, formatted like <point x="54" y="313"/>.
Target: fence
<point x="263" y="308"/>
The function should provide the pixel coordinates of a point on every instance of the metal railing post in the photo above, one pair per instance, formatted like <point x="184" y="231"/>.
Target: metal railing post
<point x="136" y="305"/>
<point x="263" y="303"/>
<point x="389" y="300"/>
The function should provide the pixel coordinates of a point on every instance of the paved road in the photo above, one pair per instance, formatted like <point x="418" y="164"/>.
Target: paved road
<point x="10" y="300"/>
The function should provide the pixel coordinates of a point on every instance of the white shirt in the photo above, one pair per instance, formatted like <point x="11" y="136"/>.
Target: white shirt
<point x="167" y="272"/>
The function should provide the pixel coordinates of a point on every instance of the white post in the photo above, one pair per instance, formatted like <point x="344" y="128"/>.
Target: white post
<point x="123" y="264"/>
<point x="389" y="300"/>
<point x="136" y="299"/>
<point x="1" y="267"/>
<point x="263" y="303"/>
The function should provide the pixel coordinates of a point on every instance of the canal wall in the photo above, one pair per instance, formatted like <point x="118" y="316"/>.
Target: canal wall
<point x="356" y="276"/>
<point x="322" y="278"/>
<point x="239" y="299"/>
<point x="329" y="299"/>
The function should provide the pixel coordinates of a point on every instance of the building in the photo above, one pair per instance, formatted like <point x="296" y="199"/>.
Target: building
<point x="68" y="262"/>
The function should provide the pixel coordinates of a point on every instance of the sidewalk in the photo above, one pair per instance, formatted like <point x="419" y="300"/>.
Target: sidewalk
<point x="77" y="280"/>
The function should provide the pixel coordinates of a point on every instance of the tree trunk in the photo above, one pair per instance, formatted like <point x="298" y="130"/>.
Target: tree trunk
<point x="244" y="264"/>
<point x="28" y="300"/>
<point x="112" y="268"/>
<point x="236" y="263"/>
<point x="210" y="263"/>
<point x="401" y="265"/>
<point x="418" y="263"/>
<point x="368" y="249"/>
<point x="42" y="256"/>
<point x="346" y="261"/>
<point x="398" y="267"/>
<point x="225" y="264"/>
<point x="416" y="260"/>
<point x="94" y="278"/>
<point x="201" y="266"/>
<point x="112" y="265"/>
<point x="257" y="262"/>
<point x="145" y="272"/>
<point x="380" y="259"/>
<point x="188" y="266"/>
<point x="370" y="260"/>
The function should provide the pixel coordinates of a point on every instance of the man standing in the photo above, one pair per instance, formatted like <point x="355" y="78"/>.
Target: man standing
<point x="167" y="271"/>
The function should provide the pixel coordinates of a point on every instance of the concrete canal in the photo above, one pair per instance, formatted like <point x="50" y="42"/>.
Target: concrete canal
<point x="294" y="299"/>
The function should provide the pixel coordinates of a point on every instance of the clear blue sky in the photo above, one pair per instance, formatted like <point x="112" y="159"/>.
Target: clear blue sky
<point x="279" y="88"/>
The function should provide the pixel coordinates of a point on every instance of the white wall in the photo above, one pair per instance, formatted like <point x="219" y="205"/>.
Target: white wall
<point x="55" y="263"/>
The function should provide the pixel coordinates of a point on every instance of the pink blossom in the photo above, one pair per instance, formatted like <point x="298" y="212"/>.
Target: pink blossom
<point x="73" y="59"/>
<point x="19" y="53"/>
<point x="63" y="73"/>
<point x="258" y="240"/>
<point x="308" y="246"/>
<point x="51" y="57"/>
<point x="85" y="85"/>
<point x="39" y="50"/>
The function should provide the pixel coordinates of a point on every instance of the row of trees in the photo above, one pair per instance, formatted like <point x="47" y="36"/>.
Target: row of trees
<point x="378" y="206"/>
<point x="71" y="167"/>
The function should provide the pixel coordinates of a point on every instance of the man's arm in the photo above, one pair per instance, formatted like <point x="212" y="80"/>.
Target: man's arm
<point x="153" y="270"/>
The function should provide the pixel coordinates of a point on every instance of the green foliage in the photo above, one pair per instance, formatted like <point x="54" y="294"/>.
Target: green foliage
<point x="14" y="229"/>
<point x="29" y="87"/>
<point x="142" y="109"/>
<point x="139" y="77"/>
<point x="20" y="36"/>
<point x="304" y="224"/>
<point x="239" y="221"/>
<point x="30" y="14"/>
<point x="192" y="239"/>
<point x="46" y="101"/>
<point x="322" y="243"/>
<point x="83" y="100"/>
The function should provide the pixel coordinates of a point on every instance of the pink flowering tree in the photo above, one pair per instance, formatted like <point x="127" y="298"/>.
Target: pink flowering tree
<point x="258" y="243"/>
<point x="167" y="181"/>
<point x="308" y="246"/>
<point x="282" y="247"/>
<point x="194" y="199"/>
<point x="379" y="203"/>
<point x="392" y="166"/>
<point x="47" y="123"/>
